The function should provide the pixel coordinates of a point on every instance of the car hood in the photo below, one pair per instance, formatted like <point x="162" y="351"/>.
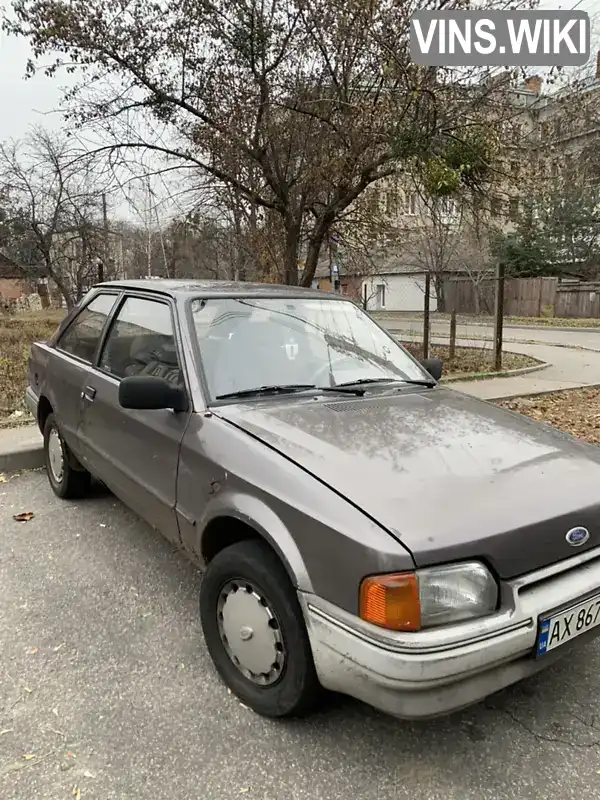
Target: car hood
<point x="449" y="476"/>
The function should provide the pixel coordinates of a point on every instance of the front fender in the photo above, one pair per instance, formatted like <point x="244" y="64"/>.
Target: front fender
<point x="258" y="515"/>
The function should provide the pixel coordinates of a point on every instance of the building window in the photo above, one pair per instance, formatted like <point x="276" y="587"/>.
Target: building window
<point x="496" y="207"/>
<point x="391" y="202"/>
<point x="380" y="295"/>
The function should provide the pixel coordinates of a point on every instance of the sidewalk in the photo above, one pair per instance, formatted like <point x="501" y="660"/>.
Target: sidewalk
<point x="569" y="369"/>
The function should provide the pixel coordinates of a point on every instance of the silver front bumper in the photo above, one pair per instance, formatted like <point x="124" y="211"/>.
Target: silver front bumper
<point x="441" y="670"/>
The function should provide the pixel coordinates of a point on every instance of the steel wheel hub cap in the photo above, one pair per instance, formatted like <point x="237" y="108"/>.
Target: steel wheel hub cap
<point x="250" y="632"/>
<point x="55" y="455"/>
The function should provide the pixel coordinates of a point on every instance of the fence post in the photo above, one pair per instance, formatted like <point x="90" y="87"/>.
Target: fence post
<point x="499" y="316"/>
<point x="426" y="315"/>
<point x="452" y="352"/>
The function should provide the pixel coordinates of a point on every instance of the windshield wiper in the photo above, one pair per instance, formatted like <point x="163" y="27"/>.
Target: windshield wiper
<point x="275" y="389"/>
<point x="289" y="388"/>
<point x="412" y="381"/>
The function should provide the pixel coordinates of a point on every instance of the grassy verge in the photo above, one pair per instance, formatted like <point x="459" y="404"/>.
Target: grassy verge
<point x="17" y="333"/>
<point x="468" y="360"/>
<point x="575" y="411"/>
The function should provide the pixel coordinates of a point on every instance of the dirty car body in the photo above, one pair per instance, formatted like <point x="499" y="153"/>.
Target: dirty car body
<point x="362" y="528"/>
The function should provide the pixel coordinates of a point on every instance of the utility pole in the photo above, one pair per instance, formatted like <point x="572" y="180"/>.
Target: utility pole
<point x="104" y="260"/>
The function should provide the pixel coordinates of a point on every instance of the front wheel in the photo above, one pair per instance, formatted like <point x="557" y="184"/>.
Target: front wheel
<point x="255" y="632"/>
<point x="66" y="481"/>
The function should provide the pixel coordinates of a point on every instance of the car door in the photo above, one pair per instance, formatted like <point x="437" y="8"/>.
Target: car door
<point x="136" y="453"/>
<point x="69" y="365"/>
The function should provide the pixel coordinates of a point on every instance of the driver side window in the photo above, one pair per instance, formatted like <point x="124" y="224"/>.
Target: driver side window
<point x="141" y="341"/>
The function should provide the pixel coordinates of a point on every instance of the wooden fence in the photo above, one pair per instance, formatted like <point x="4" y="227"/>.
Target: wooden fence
<point x="524" y="297"/>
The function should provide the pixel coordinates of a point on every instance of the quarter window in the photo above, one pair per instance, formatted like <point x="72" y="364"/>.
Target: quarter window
<point x="142" y="342"/>
<point x="81" y="338"/>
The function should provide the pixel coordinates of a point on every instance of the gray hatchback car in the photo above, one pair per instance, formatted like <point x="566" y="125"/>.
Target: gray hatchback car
<point x="361" y="528"/>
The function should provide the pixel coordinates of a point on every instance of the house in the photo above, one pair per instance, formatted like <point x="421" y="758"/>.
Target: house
<point x="394" y="284"/>
<point x="14" y="281"/>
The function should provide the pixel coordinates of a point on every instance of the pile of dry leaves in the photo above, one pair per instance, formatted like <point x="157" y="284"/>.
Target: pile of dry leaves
<point x="574" y="411"/>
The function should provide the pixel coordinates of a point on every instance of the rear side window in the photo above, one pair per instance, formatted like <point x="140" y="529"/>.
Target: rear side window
<point x="81" y="338"/>
<point x="141" y="341"/>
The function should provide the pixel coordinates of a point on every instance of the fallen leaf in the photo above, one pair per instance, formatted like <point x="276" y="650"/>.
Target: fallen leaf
<point x="88" y="774"/>
<point x="6" y="730"/>
<point x="3" y="478"/>
<point x="244" y="790"/>
<point x="33" y="651"/>
<point x="28" y="756"/>
<point x="76" y="792"/>
<point x="27" y="689"/>
<point x="56" y="649"/>
<point x="55" y="712"/>
<point x="72" y="755"/>
<point x="24" y="517"/>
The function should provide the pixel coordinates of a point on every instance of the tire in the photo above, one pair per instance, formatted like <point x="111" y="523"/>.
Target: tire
<point x="294" y="688"/>
<point x="66" y="481"/>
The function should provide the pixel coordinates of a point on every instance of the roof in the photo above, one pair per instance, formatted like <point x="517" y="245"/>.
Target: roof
<point x="9" y="269"/>
<point x="213" y="288"/>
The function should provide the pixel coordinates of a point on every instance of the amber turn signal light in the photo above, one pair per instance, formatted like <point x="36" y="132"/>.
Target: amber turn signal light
<point x="391" y="601"/>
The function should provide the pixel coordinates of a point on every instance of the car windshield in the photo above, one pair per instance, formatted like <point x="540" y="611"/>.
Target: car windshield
<point x="291" y="343"/>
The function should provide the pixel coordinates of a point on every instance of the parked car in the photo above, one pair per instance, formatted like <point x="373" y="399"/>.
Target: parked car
<point x="361" y="527"/>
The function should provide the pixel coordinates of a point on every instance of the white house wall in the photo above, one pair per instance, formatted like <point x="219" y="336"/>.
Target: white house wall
<point x="402" y="293"/>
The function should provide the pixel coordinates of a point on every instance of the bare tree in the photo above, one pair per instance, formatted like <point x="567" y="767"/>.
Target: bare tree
<point x="54" y="205"/>
<point x="298" y="107"/>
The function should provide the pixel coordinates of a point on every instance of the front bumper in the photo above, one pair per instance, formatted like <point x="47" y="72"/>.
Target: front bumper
<point x="438" y="671"/>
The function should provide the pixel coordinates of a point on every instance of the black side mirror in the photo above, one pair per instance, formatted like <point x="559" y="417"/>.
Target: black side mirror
<point x="434" y="367"/>
<point x="151" y="393"/>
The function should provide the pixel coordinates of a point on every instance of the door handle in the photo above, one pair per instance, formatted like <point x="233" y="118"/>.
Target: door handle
<point x="88" y="393"/>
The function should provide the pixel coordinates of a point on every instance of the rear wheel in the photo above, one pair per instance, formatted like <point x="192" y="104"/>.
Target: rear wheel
<point x="255" y="632"/>
<point x="67" y="478"/>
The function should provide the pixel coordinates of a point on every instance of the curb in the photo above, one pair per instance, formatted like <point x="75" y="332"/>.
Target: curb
<point x="507" y="373"/>
<point x="30" y="457"/>
<point x="541" y="393"/>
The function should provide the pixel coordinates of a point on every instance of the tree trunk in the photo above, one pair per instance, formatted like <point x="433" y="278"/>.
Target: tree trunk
<point x="292" y="244"/>
<point x="314" y="251"/>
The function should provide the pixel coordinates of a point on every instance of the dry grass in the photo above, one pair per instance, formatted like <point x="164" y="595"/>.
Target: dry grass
<point x="17" y="333"/>
<point x="468" y="360"/>
<point x="575" y="411"/>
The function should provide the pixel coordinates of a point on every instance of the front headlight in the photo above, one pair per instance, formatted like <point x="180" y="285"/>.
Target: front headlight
<point x="455" y="593"/>
<point x="410" y="601"/>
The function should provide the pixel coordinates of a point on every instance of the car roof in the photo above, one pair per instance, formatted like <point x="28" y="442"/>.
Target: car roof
<point x="208" y="288"/>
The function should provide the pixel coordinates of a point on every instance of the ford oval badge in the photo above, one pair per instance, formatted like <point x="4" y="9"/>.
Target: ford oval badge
<point x="577" y="536"/>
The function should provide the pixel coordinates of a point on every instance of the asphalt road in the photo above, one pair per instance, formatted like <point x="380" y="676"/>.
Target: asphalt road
<point x="582" y="337"/>
<point x="106" y="691"/>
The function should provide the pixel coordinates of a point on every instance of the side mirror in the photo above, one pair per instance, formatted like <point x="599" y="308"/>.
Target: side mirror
<point x="434" y="367"/>
<point x="150" y="393"/>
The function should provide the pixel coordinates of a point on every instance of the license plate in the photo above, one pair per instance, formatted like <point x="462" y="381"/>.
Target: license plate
<point x="567" y="625"/>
